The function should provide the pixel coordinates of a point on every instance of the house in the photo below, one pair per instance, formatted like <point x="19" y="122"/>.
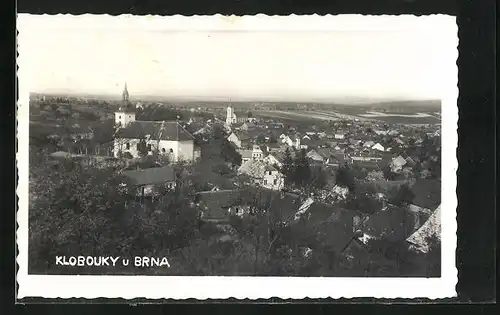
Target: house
<point x="270" y="159"/>
<point x="397" y="164"/>
<point x="368" y="144"/>
<point x="148" y="181"/>
<point x="381" y="132"/>
<point x="165" y="137"/>
<point x="246" y="155"/>
<point x="393" y="224"/>
<point x="257" y="153"/>
<point x="419" y="240"/>
<point x="399" y="141"/>
<point x="217" y="206"/>
<point x="339" y="136"/>
<point x="273" y="147"/>
<point x="427" y="193"/>
<point x="233" y="138"/>
<point x="378" y="147"/>
<point x="315" y="156"/>
<point x="247" y="126"/>
<point x="262" y="174"/>
<point x="292" y="141"/>
<point x="331" y="158"/>
<point x="76" y="133"/>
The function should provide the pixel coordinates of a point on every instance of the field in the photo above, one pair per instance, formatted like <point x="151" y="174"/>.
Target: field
<point x="354" y="113"/>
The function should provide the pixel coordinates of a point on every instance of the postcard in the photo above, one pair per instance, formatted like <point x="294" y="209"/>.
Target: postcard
<point x="247" y="157"/>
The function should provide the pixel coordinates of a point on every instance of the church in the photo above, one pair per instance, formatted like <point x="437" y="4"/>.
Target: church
<point x="161" y="137"/>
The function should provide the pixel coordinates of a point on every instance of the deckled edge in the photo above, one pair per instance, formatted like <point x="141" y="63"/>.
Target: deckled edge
<point x="22" y="227"/>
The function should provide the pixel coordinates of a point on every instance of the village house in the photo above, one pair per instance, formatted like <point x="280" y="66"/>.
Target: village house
<point x="262" y="174"/>
<point x="164" y="137"/>
<point x="291" y="140"/>
<point x="270" y="159"/>
<point x="257" y="153"/>
<point x="150" y="181"/>
<point x="246" y="155"/>
<point x="397" y="164"/>
<point x="378" y="147"/>
<point x="218" y="205"/>
<point x="233" y="138"/>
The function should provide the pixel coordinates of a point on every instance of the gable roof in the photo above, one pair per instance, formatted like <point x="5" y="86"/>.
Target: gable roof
<point x="245" y="153"/>
<point x="393" y="224"/>
<point x="399" y="161"/>
<point x="255" y="169"/>
<point x="171" y="131"/>
<point x="431" y="228"/>
<point x="153" y="175"/>
<point x="427" y="193"/>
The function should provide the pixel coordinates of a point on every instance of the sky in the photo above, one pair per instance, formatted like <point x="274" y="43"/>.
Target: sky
<point x="236" y="62"/>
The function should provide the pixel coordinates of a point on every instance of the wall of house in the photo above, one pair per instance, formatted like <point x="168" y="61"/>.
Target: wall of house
<point x="273" y="180"/>
<point x="185" y="150"/>
<point x="123" y="119"/>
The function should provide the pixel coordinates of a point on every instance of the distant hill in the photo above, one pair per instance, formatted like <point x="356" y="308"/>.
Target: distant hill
<point x="387" y="106"/>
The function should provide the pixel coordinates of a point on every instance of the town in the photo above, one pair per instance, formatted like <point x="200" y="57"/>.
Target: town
<point x="235" y="190"/>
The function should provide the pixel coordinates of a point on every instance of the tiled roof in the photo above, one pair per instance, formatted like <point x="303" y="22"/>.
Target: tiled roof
<point x="171" y="131"/>
<point x="253" y="168"/>
<point x="245" y="153"/>
<point x="213" y="200"/>
<point x="154" y="175"/>
<point x="431" y="227"/>
<point x="427" y="193"/>
<point x="394" y="224"/>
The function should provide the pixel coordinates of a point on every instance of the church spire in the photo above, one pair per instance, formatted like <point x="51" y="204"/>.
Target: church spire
<point x="125" y="97"/>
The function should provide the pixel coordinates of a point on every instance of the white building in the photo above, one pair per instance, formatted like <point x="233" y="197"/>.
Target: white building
<point x="378" y="147"/>
<point x="234" y="139"/>
<point x="139" y="137"/>
<point x="230" y="116"/>
<point x="262" y="174"/>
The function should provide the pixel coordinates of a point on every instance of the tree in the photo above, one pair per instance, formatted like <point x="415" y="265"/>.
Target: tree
<point x="388" y="174"/>
<point x="345" y="178"/>
<point x="375" y="176"/>
<point x="288" y="168"/>
<point x="142" y="148"/>
<point x="249" y="115"/>
<point x="403" y="196"/>
<point x="261" y="139"/>
<point x="302" y="169"/>
<point x="318" y="177"/>
<point x="273" y="139"/>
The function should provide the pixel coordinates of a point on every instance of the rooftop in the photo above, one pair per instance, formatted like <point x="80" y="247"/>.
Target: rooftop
<point x="156" y="130"/>
<point x="148" y="176"/>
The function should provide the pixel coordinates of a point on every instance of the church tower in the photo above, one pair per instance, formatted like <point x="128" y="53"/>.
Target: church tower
<point x="230" y="116"/>
<point x="125" y="113"/>
<point x="125" y="97"/>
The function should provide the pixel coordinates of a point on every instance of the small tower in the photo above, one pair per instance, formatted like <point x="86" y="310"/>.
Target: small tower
<point x="125" y="96"/>
<point x="230" y="116"/>
<point x="125" y="113"/>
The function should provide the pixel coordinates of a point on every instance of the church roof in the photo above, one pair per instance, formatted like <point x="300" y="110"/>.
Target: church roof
<point x="126" y="108"/>
<point x="172" y="131"/>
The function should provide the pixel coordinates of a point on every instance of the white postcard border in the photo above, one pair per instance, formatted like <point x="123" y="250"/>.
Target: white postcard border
<point x="129" y="287"/>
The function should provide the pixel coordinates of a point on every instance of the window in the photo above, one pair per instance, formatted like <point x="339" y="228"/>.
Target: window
<point x="270" y="172"/>
<point x="149" y="147"/>
<point x="127" y="146"/>
<point x="171" y="150"/>
<point x="119" y="117"/>
<point x="138" y="147"/>
<point x="163" y="150"/>
<point x="275" y="182"/>
<point x="265" y="181"/>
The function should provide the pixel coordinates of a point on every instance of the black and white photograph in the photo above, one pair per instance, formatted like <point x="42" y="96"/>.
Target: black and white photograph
<point x="293" y="156"/>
